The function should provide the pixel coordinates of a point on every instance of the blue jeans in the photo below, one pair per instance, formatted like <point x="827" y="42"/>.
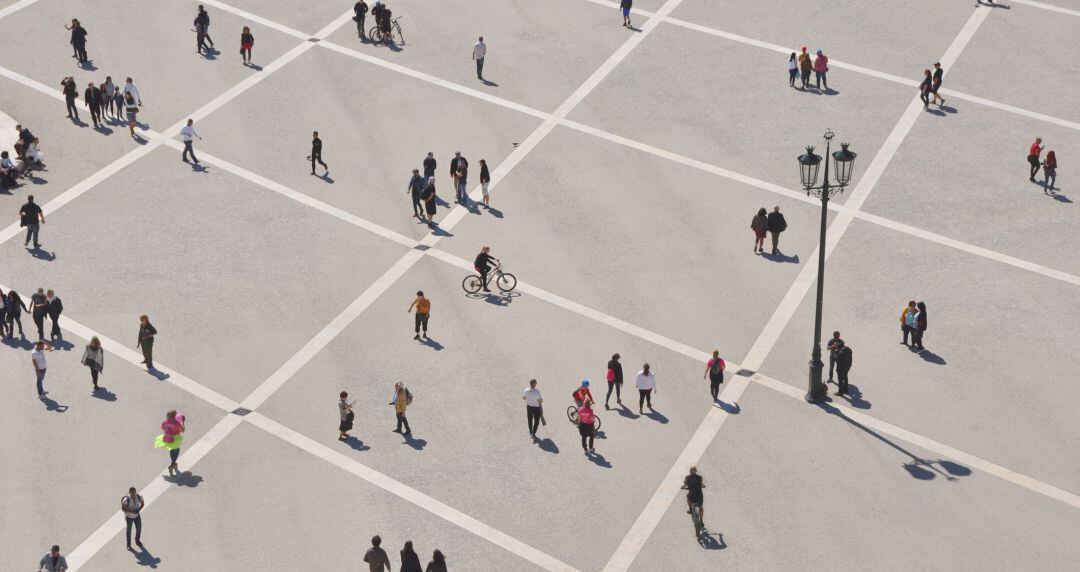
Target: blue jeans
<point x="462" y="192"/>
<point x="1050" y="178"/>
<point x="480" y="68"/>
<point x="32" y="232"/>
<point x="40" y="379"/>
<point x="137" y="521"/>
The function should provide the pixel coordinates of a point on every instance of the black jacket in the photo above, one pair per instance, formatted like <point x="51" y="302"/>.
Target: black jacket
<point x="55" y="307"/>
<point x="777" y="222"/>
<point x="485" y="176"/>
<point x="92" y="97"/>
<point x="617" y="368"/>
<point x="78" y="36"/>
<point x="843" y="359"/>
<point x="429" y="167"/>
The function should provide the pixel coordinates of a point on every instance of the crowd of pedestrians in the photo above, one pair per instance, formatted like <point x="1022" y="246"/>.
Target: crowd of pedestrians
<point x="379" y="561"/>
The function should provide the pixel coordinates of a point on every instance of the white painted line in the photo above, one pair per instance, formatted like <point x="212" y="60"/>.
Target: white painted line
<point x="189" y="456"/>
<point x="668" y="490"/>
<point x="5" y="12"/>
<point x="257" y="19"/>
<point x="1044" y="6"/>
<point x="407" y="493"/>
<point x="933" y="446"/>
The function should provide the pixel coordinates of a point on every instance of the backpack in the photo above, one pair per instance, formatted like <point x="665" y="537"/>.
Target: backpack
<point x="408" y="396"/>
<point x="715" y="369"/>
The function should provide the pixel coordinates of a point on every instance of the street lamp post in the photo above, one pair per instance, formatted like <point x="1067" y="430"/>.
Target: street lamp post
<point x="808" y="168"/>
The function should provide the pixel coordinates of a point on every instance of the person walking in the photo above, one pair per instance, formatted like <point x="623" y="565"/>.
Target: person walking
<point x="108" y="90"/>
<point x="646" y="386"/>
<point x="534" y="407"/>
<point x="625" y="6"/>
<point x="32" y="218"/>
<point x="129" y="87"/>
<point x="202" y="24"/>
<point x="147" y="333"/>
<point x="53" y="561"/>
<point x="423" y="311"/>
<point x="461" y="181"/>
<point x="1033" y="157"/>
<point x="614" y="380"/>
<point x="401" y="401"/>
<point x="760" y="224"/>
<point x="918" y="326"/>
<point x="430" y="204"/>
<point x="345" y="409"/>
<point x="935" y="84"/>
<point x="172" y="436"/>
<point x="714" y="370"/>
<point x="316" y="153"/>
<point x="132" y="109"/>
<point x="485" y="181"/>
<point x="907" y="318"/>
<point x="1049" y="172"/>
<point x="793" y="69"/>
<point x="821" y="68"/>
<point x="39" y="310"/>
<point x="189" y="134"/>
<point x="843" y="366"/>
<point x="777" y="224"/>
<point x="92" y="100"/>
<point x="924" y="89"/>
<point x="118" y="104"/>
<point x="71" y="93"/>
<point x="78" y="41"/>
<point x="54" y="309"/>
<point x="37" y="357"/>
<point x="587" y="430"/>
<point x="94" y="358"/>
<point x="805" y="67"/>
<point x="416" y="186"/>
<point x="247" y="41"/>
<point x="410" y="561"/>
<point x="376" y="557"/>
<point x="131" y="505"/>
<point x="438" y="562"/>
<point x="834" y="345"/>
<point x="360" y="10"/>
<point x="479" y="52"/>
<point x="429" y="166"/>
<point x="15" y="308"/>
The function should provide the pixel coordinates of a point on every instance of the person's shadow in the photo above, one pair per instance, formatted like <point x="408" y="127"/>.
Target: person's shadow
<point x="708" y="541"/>
<point x="780" y="257"/>
<point x="494" y="212"/>
<point x="160" y="375"/>
<point x="431" y="343"/>
<point x="599" y="460"/>
<point x="547" y="445"/>
<point x="489" y="83"/>
<point x="417" y="444"/>
<point x="103" y="394"/>
<point x="729" y="408"/>
<point x="254" y="67"/>
<point x="931" y="357"/>
<point x="625" y="411"/>
<point x="356" y="444"/>
<point x="854" y="397"/>
<point x="52" y="405"/>
<point x="185" y="479"/>
<point x="656" y="416"/>
<point x="144" y="558"/>
<point x="41" y="254"/>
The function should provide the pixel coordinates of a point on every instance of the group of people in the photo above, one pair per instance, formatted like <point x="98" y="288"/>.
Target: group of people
<point x="930" y="85"/>
<point x="913" y="322"/>
<point x="584" y="400"/>
<point x="400" y="400"/>
<point x="382" y="14"/>
<point x="421" y="188"/>
<point x="379" y="561"/>
<point x="773" y="223"/>
<point x="1049" y="165"/>
<point x="28" y="155"/>
<point x="106" y="100"/>
<point x="802" y="64"/>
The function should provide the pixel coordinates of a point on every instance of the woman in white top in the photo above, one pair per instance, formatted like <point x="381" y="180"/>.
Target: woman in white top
<point x="646" y="385"/>
<point x="792" y="69"/>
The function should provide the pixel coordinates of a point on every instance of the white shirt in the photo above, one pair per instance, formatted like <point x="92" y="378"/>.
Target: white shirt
<point x="646" y="380"/>
<point x="189" y="133"/>
<point x="792" y="64"/>
<point x="532" y="397"/>
<point x="479" y="51"/>
<point x="134" y="91"/>
<point x="39" y="358"/>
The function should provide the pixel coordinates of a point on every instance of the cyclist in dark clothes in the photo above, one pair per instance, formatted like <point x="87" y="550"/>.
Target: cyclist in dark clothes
<point x="693" y="485"/>
<point x="482" y="266"/>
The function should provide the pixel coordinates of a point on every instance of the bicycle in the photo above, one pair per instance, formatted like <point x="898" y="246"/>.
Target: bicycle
<point x="504" y="281"/>
<point x="376" y="33"/>
<point x="571" y="414"/>
<point x="695" y="514"/>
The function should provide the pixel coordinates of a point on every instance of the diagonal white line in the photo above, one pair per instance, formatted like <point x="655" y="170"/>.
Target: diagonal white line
<point x="5" y="12"/>
<point x="1044" y="6"/>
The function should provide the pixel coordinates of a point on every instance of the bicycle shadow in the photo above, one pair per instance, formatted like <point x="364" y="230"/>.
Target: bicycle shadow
<point x="710" y="542"/>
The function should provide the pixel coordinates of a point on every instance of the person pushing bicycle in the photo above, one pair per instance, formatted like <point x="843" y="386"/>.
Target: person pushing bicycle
<point x="693" y="484"/>
<point x="482" y="266"/>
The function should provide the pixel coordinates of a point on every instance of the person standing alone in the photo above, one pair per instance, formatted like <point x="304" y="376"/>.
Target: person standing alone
<point x="78" y="41"/>
<point x="625" y="6"/>
<point x="147" y="332"/>
<point x="316" y="153"/>
<point x="714" y="370"/>
<point x="534" y="404"/>
<point x="30" y="216"/>
<point x="485" y="181"/>
<point x="40" y="364"/>
<point x="360" y="10"/>
<point x="131" y="505"/>
<point x="247" y="41"/>
<point x="188" y="133"/>
<point x="423" y="311"/>
<point x="94" y="358"/>
<point x="479" y="52"/>
<point x="401" y="401"/>
<point x="345" y="410"/>
<point x="646" y="385"/>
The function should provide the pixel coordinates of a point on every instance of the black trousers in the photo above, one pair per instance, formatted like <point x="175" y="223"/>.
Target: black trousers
<point x="1034" y="165"/>
<point x="189" y="150"/>
<point x="93" y="376"/>
<point x="12" y="320"/>
<point x="401" y="420"/>
<point x="137" y="521"/>
<point x="80" y="52"/>
<point x="417" y="206"/>
<point x="644" y="395"/>
<point x="587" y="432"/>
<point x="71" y="109"/>
<point x="907" y="330"/>
<point x="832" y="364"/>
<point x="317" y="158"/>
<point x="841" y="380"/>
<point x="421" y="322"/>
<point x="916" y="338"/>
<point x="714" y="384"/>
<point x="925" y="97"/>
<point x="55" y="332"/>
<point x="533" y="416"/>
<point x="617" y="386"/>
<point x="148" y="353"/>
<point x="39" y="321"/>
<point x="360" y="24"/>
<point x="95" y="114"/>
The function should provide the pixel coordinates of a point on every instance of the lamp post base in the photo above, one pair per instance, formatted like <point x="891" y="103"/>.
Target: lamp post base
<point x="817" y="390"/>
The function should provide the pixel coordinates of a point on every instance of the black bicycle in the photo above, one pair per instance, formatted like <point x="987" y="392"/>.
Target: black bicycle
<point x="504" y="281"/>
<point x="695" y="514"/>
<point x="378" y="36"/>
<point x="571" y="414"/>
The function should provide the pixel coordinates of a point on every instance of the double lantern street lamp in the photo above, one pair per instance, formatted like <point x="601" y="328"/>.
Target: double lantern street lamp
<point x="843" y="161"/>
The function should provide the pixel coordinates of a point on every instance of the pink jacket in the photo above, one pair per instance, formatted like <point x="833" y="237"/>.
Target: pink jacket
<point x="821" y="63"/>
<point x="171" y="429"/>
<point x="585" y="416"/>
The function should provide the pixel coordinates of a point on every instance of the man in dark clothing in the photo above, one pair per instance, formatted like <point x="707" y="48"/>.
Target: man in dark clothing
<point x="483" y="266"/>
<point x="936" y="85"/>
<point x="147" y="332"/>
<point x="92" y="99"/>
<point x="416" y="186"/>
<point x="78" y="41"/>
<point x="55" y="308"/>
<point x="360" y="11"/>
<point x="429" y="166"/>
<point x="376" y="557"/>
<point x="430" y="205"/>
<point x="202" y="23"/>
<point x="316" y="153"/>
<point x="777" y="224"/>
<point x="71" y="92"/>
<point x="843" y="365"/>
<point x="39" y="308"/>
<point x="454" y="163"/>
<point x="30" y="214"/>
<point x="834" y="346"/>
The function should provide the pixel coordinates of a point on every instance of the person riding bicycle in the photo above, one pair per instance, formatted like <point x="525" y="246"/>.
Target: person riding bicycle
<point x="482" y="267"/>
<point x="582" y="393"/>
<point x="693" y="484"/>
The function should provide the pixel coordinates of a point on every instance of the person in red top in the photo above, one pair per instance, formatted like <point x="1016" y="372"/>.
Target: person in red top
<point x="1033" y="157"/>
<point x="585" y="425"/>
<point x="582" y="393"/>
<point x="715" y="372"/>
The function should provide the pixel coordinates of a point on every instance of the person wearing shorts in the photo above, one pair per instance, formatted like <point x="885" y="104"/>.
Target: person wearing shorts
<point x="485" y="180"/>
<point x="625" y="6"/>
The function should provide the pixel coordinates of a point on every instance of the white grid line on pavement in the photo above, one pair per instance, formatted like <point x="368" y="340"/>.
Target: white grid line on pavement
<point x="5" y="12"/>
<point x="1044" y="6"/>
<point x="665" y="494"/>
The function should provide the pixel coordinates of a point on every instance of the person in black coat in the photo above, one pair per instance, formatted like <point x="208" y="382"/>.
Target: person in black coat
<point x="78" y="40"/>
<point x="843" y="366"/>
<point x="429" y="166"/>
<point x="92" y="100"/>
<point x="54" y="309"/>
<point x="71" y="92"/>
<point x="360" y="11"/>
<point x="777" y="224"/>
<point x="39" y="308"/>
<point x="15" y="308"/>
<point x="920" y="326"/>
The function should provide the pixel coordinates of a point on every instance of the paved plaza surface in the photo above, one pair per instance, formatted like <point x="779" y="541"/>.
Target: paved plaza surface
<point x="626" y="166"/>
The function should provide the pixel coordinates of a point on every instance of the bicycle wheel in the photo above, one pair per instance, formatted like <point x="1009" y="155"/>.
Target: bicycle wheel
<point x="596" y="423"/>
<point x="400" y="35"/>
<point x="375" y="34"/>
<point x="571" y="414"/>
<point x="698" y="524"/>
<point x="472" y="284"/>
<point x="506" y="282"/>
